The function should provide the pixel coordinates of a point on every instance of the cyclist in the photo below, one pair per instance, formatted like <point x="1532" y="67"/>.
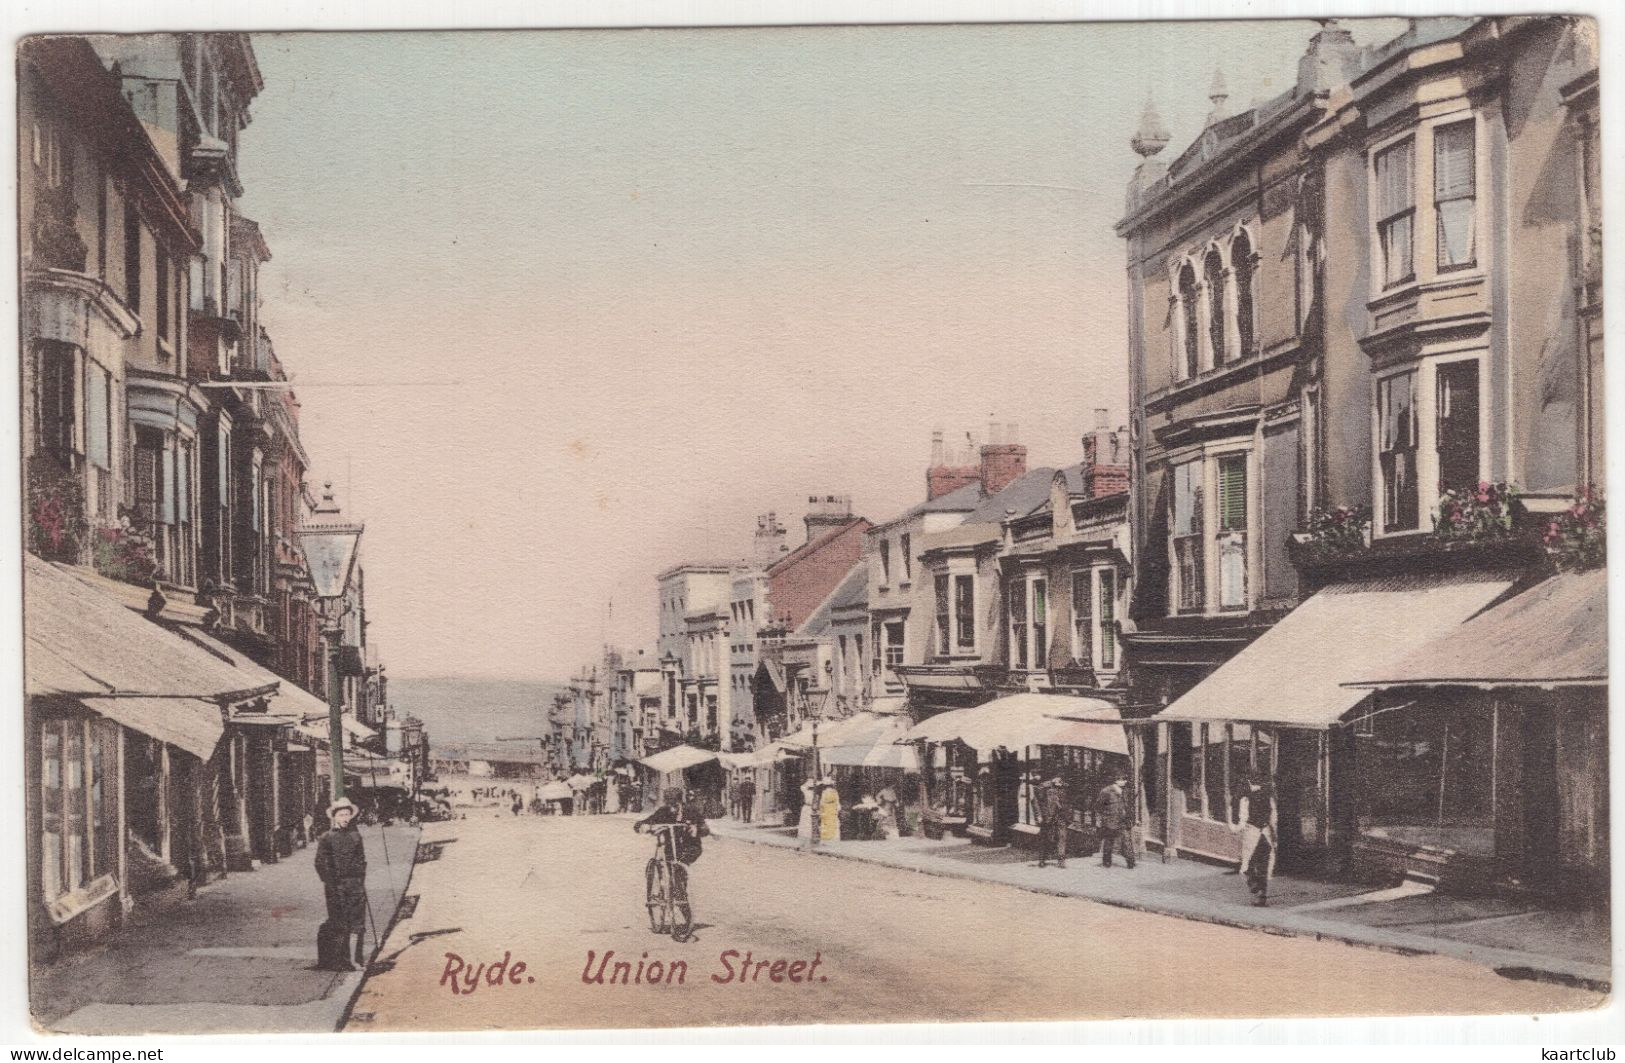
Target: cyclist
<point x="673" y="809"/>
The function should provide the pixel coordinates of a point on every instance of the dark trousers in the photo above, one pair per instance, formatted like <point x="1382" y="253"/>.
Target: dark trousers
<point x="1119" y="837"/>
<point x="1052" y="843"/>
<point x="745" y="801"/>
<point x="1258" y="870"/>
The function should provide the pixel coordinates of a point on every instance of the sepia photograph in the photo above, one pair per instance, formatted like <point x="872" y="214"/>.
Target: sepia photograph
<point x="789" y="525"/>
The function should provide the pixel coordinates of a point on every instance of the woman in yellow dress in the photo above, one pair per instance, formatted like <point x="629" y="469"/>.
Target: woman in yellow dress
<point x="829" y="811"/>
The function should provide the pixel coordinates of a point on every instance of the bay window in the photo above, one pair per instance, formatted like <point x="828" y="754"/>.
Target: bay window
<point x="943" y="634"/>
<point x="1396" y="210"/>
<point x="965" y="613"/>
<point x="1429" y="435"/>
<point x="1455" y="194"/>
<point x="1187" y="537"/>
<point x="1396" y="451"/>
<point x="1029" y="621"/>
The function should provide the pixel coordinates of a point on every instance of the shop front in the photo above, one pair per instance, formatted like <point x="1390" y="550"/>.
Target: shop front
<point x="1283" y="711"/>
<point x="984" y="766"/>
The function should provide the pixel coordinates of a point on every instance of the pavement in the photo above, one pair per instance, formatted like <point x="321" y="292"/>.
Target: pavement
<point x="1514" y="938"/>
<point x="235" y="959"/>
<point x="539" y="922"/>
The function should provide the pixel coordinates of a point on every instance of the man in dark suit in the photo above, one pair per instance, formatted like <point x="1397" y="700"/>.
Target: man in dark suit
<point x="1055" y="816"/>
<point x="1116" y="821"/>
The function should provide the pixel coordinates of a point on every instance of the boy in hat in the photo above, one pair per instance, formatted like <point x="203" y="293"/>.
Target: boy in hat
<point x="341" y="863"/>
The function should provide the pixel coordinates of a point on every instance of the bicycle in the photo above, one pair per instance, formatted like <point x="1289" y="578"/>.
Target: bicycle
<point x="666" y="880"/>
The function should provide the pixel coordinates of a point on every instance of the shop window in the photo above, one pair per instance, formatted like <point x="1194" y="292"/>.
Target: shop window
<point x="1029" y="793"/>
<point x="1232" y="543"/>
<point x="1428" y="776"/>
<point x="1397" y="444"/>
<point x="1456" y="404"/>
<point x="1187" y="536"/>
<point x="1182" y="764"/>
<point x="1454" y="194"/>
<point x="1396" y="210"/>
<point x="78" y="816"/>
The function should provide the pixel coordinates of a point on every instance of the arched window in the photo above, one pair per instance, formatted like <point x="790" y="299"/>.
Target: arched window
<point x="1187" y="309"/>
<point x="1241" y="259"/>
<point x="1213" y="269"/>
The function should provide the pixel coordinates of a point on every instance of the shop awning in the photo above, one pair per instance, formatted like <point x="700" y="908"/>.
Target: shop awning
<point x="1022" y="720"/>
<point x="870" y="740"/>
<point x="356" y="729"/>
<point x="290" y="699"/>
<point x="1293" y="674"/>
<point x="81" y="641"/>
<point x="185" y="723"/>
<point x="1553" y="634"/>
<point x="556" y="791"/>
<point x="735" y="761"/>
<point x="581" y="782"/>
<point x="677" y="758"/>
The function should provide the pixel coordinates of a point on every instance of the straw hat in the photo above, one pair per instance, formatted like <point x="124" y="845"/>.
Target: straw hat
<point x="341" y="803"/>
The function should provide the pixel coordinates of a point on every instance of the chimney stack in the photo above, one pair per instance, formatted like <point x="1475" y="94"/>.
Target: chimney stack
<point x="825" y="512"/>
<point x="947" y="473"/>
<point x="1003" y="459"/>
<point x="1105" y="464"/>
<point x="770" y="541"/>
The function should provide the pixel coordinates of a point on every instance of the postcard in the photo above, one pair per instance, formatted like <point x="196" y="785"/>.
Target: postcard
<point x="614" y="528"/>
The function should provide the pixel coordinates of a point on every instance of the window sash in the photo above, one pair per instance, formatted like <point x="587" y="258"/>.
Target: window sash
<point x="1040" y="623"/>
<point x="1018" y="622"/>
<point x="1108" y="618"/>
<point x="1188" y="498"/>
<point x="1233" y="493"/>
<point x="1397" y="443"/>
<point x="1188" y="557"/>
<point x="965" y="612"/>
<point x="944" y="613"/>
<point x="1395" y="180"/>
<point x="98" y="418"/>
<point x="1082" y="615"/>
<point x="1456" y="405"/>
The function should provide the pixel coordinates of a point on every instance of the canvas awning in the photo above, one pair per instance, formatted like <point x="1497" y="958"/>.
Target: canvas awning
<point x="291" y="698"/>
<point x="1553" y="634"/>
<point x="80" y="641"/>
<point x="677" y="758"/>
<point x="581" y="782"/>
<point x="191" y="724"/>
<point x="870" y="740"/>
<point x="1294" y="673"/>
<point x="735" y="761"/>
<point x="556" y="791"/>
<point x="1022" y="720"/>
<point x="356" y="729"/>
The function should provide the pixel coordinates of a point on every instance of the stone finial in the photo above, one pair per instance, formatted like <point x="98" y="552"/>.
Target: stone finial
<point x="1218" y="94"/>
<point x="1152" y="136"/>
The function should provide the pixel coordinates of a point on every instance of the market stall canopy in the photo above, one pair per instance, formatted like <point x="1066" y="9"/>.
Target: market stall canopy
<point x="1022" y="720"/>
<point x="677" y="758"/>
<point x="870" y="740"/>
<point x="1293" y="674"/>
<point x="556" y="791"/>
<point x="185" y="723"/>
<point x="1553" y="634"/>
<point x="581" y="782"/>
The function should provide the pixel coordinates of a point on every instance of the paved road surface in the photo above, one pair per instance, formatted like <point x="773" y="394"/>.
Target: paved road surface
<point x="891" y="946"/>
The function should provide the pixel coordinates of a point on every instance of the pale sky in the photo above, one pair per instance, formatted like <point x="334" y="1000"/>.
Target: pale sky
<point x="614" y="293"/>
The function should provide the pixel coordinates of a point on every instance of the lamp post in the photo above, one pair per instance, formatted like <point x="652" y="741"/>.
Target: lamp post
<point x="333" y="611"/>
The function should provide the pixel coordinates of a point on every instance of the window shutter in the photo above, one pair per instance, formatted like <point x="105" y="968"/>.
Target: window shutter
<point x="1233" y="494"/>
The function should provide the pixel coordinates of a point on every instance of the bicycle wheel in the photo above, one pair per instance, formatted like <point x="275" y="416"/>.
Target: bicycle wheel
<point x="682" y="914"/>
<point x="656" y="896"/>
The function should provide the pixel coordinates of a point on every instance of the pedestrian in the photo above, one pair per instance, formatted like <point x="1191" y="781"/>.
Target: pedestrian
<point x="747" y="797"/>
<point x="733" y="798"/>
<point x="341" y="863"/>
<point x="518" y="805"/>
<point x="829" y="811"/>
<point x="887" y="818"/>
<point x="1257" y="819"/>
<point x="1115" y="821"/>
<point x="1055" y="818"/>
<point x="809" y="799"/>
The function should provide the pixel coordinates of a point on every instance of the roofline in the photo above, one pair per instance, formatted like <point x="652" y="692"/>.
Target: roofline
<point x="812" y="546"/>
